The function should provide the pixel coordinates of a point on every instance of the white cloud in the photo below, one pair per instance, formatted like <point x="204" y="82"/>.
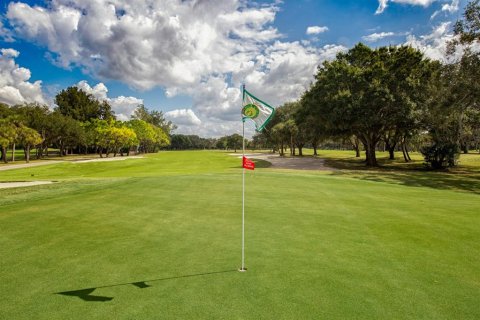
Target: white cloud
<point x="14" y="85"/>
<point x="433" y="45"/>
<point x="382" y="4"/>
<point x="5" y="34"/>
<point x="316" y="30"/>
<point x="377" y="36"/>
<point x="447" y="8"/>
<point x="123" y="106"/>
<point x="147" y="44"/>
<point x="183" y="117"/>
<point x="204" y="49"/>
<point x="99" y="91"/>
<point x="452" y="7"/>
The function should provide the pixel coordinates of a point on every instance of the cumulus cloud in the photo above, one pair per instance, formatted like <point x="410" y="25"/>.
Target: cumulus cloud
<point x="433" y="45"/>
<point x="204" y="49"/>
<point x="377" y="36"/>
<point x="183" y="117"/>
<point x="147" y="44"/>
<point x="14" y="85"/>
<point x="123" y="106"/>
<point x="382" y="4"/>
<point x="316" y="30"/>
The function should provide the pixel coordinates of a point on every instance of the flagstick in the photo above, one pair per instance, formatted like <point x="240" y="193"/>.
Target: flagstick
<point x="243" y="197"/>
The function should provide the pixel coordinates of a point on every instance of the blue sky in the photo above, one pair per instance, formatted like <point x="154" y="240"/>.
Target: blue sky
<point x="188" y="58"/>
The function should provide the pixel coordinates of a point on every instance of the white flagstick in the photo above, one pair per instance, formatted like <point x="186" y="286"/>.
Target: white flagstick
<point x="243" y="196"/>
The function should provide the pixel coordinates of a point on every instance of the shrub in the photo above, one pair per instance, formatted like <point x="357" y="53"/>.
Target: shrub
<point x="440" y="156"/>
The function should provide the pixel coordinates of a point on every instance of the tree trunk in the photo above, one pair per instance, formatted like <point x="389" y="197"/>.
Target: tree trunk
<point x="4" y="154"/>
<point x="27" y="153"/>
<point x="391" y="153"/>
<point x="371" y="157"/>
<point x="300" y="150"/>
<point x="370" y="145"/>
<point x="404" y="154"/>
<point x="61" y="149"/>
<point x="281" y="150"/>
<point x="292" y="146"/>
<point x="408" y="154"/>
<point x="315" y="153"/>
<point x="356" y="147"/>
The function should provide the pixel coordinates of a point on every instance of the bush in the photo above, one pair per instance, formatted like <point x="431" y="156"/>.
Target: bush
<point x="440" y="156"/>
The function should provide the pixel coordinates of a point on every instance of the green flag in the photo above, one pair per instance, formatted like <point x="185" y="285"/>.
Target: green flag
<point x="255" y="109"/>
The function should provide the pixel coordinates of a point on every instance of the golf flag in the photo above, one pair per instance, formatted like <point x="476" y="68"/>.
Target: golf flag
<point x="248" y="164"/>
<point x="255" y="109"/>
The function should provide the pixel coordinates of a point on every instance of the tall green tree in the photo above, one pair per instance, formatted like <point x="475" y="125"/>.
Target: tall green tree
<point x="367" y="92"/>
<point x="145" y="133"/>
<point x="234" y="141"/>
<point x="8" y="133"/>
<point x="79" y="105"/>
<point x="153" y="117"/>
<point x="29" y="138"/>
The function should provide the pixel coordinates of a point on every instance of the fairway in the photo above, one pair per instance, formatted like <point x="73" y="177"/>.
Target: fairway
<point x="160" y="238"/>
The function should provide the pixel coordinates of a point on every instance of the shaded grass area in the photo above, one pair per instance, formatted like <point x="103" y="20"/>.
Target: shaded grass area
<point x="163" y="243"/>
<point x="465" y="177"/>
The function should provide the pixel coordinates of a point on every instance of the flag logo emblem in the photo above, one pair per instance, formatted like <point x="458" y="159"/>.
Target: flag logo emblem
<point x="250" y="111"/>
<point x="256" y="110"/>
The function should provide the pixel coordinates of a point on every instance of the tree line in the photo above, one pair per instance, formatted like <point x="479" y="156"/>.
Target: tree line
<point x="391" y="98"/>
<point x="79" y="124"/>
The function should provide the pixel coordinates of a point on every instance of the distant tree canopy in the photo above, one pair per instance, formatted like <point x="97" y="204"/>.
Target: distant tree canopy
<point x="153" y="117"/>
<point x="79" y="105"/>
<point x="389" y="98"/>
<point x="81" y="124"/>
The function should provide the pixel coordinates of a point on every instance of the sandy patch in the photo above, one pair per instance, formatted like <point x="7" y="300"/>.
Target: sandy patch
<point x="4" y="185"/>
<point x="28" y="165"/>
<point x="107" y="159"/>
<point x="297" y="163"/>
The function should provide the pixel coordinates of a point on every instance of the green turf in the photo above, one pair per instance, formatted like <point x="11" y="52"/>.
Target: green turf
<point x="331" y="245"/>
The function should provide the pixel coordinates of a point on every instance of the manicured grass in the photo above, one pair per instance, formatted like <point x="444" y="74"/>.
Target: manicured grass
<point x="325" y="245"/>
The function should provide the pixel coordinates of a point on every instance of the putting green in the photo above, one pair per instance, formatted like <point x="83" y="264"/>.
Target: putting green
<point x="160" y="238"/>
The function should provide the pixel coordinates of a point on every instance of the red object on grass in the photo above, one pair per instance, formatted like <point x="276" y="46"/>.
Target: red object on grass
<point x="248" y="164"/>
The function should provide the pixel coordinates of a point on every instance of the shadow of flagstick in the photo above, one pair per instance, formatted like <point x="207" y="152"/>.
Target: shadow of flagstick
<point x="86" y="294"/>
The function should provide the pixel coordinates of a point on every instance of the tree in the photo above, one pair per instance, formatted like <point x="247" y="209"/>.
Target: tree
<point x="153" y="117"/>
<point x="161" y="138"/>
<point x="145" y="132"/>
<point x="222" y="143"/>
<point x="79" y="105"/>
<point x="280" y="132"/>
<point x="64" y="132"/>
<point x="37" y="117"/>
<point x="369" y="92"/>
<point x="467" y="30"/>
<point x="8" y="134"/>
<point x="29" y="138"/>
<point x="234" y="141"/>
<point x="114" y="137"/>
